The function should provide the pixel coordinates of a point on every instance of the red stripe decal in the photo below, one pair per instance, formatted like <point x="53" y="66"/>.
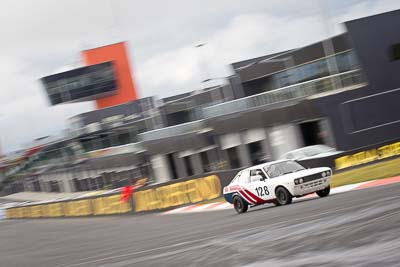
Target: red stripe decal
<point x="254" y="196"/>
<point x="246" y="197"/>
<point x="258" y="199"/>
<point x="249" y="195"/>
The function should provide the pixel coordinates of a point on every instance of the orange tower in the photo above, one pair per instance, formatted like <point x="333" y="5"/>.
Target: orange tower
<point x="117" y="53"/>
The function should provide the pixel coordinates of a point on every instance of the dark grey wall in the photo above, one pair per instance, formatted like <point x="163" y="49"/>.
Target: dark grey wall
<point x="189" y="107"/>
<point x="261" y="69"/>
<point x="278" y="113"/>
<point x="369" y="115"/>
<point x="246" y="62"/>
<point x="177" y="143"/>
<point x="373" y="38"/>
<point x="135" y="107"/>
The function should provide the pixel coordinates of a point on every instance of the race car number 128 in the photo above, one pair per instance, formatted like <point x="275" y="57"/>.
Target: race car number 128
<point x="262" y="191"/>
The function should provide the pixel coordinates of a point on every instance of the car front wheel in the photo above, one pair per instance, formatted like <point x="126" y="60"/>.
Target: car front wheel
<point x="240" y="205"/>
<point x="324" y="192"/>
<point x="283" y="197"/>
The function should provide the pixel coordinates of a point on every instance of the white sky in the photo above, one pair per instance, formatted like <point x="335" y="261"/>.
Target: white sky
<point x="41" y="37"/>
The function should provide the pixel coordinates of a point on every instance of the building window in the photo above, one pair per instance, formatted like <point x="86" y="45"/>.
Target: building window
<point x="54" y="186"/>
<point x="172" y="166"/>
<point x="87" y="145"/>
<point x="106" y="141"/>
<point x="233" y="157"/>
<point x="345" y="62"/>
<point x="124" y="138"/>
<point x="395" y="52"/>
<point x="206" y="161"/>
<point x="256" y="152"/>
<point x="188" y="165"/>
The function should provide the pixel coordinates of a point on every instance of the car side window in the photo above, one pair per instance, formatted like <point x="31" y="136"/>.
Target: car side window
<point x="256" y="173"/>
<point x="244" y="177"/>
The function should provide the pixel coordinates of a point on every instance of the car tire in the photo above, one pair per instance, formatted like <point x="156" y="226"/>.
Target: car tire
<point x="240" y="205"/>
<point x="283" y="197"/>
<point x="324" y="192"/>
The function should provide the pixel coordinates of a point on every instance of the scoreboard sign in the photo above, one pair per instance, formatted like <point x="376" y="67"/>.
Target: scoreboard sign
<point x="82" y="84"/>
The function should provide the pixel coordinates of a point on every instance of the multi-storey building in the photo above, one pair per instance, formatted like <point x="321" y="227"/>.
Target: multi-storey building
<point x="342" y="92"/>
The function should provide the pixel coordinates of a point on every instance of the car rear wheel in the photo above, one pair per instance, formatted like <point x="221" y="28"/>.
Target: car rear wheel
<point x="324" y="192"/>
<point x="283" y="197"/>
<point x="240" y="205"/>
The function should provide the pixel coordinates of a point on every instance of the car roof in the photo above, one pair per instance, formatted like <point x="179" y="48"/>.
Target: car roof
<point x="259" y="166"/>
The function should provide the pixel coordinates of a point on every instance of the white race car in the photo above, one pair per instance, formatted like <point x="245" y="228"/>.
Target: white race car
<point x="276" y="182"/>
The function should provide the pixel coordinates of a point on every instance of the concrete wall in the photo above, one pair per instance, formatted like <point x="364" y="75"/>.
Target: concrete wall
<point x="161" y="168"/>
<point x="284" y="138"/>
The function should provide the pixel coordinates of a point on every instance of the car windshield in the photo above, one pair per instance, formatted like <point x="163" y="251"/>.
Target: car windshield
<point x="315" y="150"/>
<point x="282" y="168"/>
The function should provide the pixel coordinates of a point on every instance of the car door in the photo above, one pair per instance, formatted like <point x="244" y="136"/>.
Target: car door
<point x="259" y="185"/>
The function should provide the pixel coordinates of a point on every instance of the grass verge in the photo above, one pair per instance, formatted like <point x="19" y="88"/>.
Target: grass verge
<point x="375" y="171"/>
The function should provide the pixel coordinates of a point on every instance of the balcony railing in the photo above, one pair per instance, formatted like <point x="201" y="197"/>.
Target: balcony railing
<point x="115" y="150"/>
<point x="345" y="80"/>
<point x="175" y="130"/>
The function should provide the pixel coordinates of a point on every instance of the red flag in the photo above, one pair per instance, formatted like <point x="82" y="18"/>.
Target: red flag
<point x="127" y="192"/>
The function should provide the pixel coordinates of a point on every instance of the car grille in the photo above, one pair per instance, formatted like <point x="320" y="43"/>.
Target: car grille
<point x="312" y="177"/>
<point x="313" y="184"/>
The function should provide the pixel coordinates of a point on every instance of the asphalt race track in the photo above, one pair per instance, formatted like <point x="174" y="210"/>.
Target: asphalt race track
<point x="359" y="228"/>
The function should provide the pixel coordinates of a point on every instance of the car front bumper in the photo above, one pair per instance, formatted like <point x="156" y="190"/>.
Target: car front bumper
<point x="311" y="187"/>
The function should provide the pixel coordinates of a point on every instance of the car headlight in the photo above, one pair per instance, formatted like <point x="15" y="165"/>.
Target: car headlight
<point x="323" y="174"/>
<point x="298" y="181"/>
